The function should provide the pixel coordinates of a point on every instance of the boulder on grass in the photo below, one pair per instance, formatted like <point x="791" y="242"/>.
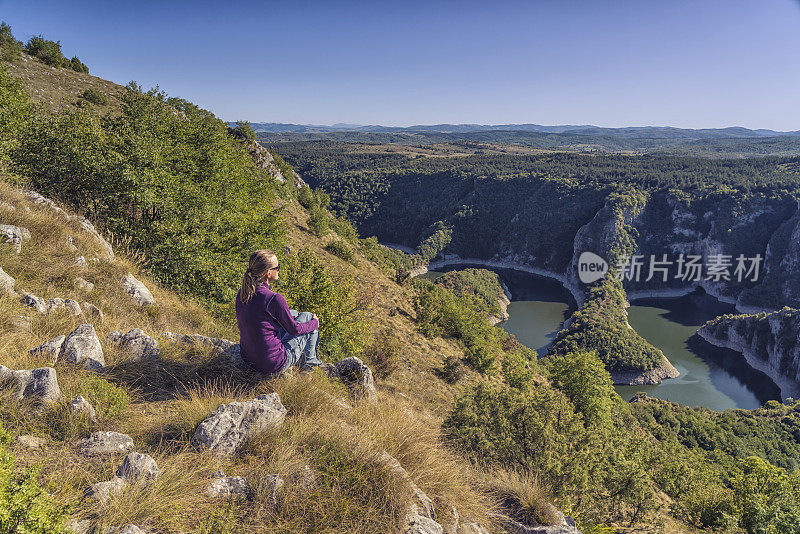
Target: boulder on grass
<point x="228" y="487"/>
<point x="231" y="425"/>
<point x="83" y="346"/>
<point x="137" y="291"/>
<point x="37" y="303"/>
<point x="7" y="284"/>
<point x="138" y="467"/>
<point x="39" y="383"/>
<point x="50" y="349"/>
<point x="356" y="376"/>
<point x="103" y="491"/>
<point x="136" y="343"/>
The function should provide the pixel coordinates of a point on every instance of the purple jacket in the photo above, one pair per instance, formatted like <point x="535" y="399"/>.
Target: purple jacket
<point x="259" y="321"/>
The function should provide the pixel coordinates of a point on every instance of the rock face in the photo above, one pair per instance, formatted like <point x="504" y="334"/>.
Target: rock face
<point x="14" y="235"/>
<point x="34" y="383"/>
<point x="103" y="443"/>
<point x="31" y="442"/>
<point x="7" y="283"/>
<point x="511" y="526"/>
<point x="136" y="343"/>
<point x="770" y="342"/>
<point x="92" y="311"/>
<point x="227" y="487"/>
<point x="356" y="376"/>
<point x="83" y="346"/>
<point x="81" y="407"/>
<point x="127" y="529"/>
<point x="649" y="377"/>
<point x="137" y="291"/>
<point x="138" y="467"/>
<point x="232" y="424"/>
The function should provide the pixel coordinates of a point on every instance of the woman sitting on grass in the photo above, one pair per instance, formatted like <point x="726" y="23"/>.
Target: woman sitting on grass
<point x="272" y="337"/>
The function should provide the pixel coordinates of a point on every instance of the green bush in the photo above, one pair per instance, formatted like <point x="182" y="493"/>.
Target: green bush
<point x="25" y="507"/>
<point x="345" y="230"/>
<point x="94" y="96"/>
<point x="77" y="65"/>
<point x="318" y="221"/>
<point x="244" y="131"/>
<point x="167" y="175"/>
<point x="309" y="285"/>
<point x="15" y="112"/>
<point x="47" y="51"/>
<point x="11" y="48"/>
<point x="341" y="250"/>
<point x="452" y="369"/>
<point x="584" y="380"/>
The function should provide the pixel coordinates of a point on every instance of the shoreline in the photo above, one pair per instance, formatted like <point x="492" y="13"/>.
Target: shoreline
<point x="788" y="387"/>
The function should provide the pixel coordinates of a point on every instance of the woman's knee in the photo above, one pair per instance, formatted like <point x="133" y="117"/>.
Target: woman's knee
<point x="304" y="317"/>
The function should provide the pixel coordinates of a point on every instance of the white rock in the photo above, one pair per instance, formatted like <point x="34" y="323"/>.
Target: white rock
<point x="81" y="407"/>
<point x="7" y="283"/>
<point x="83" y="285"/>
<point x="127" y="529"/>
<point x="71" y="244"/>
<point x="14" y="235"/>
<point x="80" y="262"/>
<point x="37" y="303"/>
<point x="92" y="311"/>
<point x="227" y="487"/>
<point x="105" y="442"/>
<point x="137" y="290"/>
<point x="138" y="467"/>
<point x="31" y="442"/>
<point x="83" y="346"/>
<point x="72" y="307"/>
<point x="136" y="343"/>
<point x="232" y="424"/>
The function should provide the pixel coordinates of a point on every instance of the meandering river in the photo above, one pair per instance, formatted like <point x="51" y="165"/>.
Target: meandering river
<point x="712" y="377"/>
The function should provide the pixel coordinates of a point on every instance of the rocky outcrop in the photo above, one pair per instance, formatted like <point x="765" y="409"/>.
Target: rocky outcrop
<point x="90" y="311"/>
<point x="216" y="345"/>
<point x="231" y="425"/>
<point x="126" y="529"/>
<point x="635" y="377"/>
<point x="39" y="384"/>
<point x="135" y="343"/>
<point x="137" y="291"/>
<point x="770" y="342"/>
<point x="105" y="443"/>
<point x="83" y="284"/>
<point x="421" y="515"/>
<point x="83" y="347"/>
<point x="37" y="303"/>
<point x="356" y="376"/>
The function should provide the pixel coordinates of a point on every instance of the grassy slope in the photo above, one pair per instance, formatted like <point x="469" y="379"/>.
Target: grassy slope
<point x="57" y="88"/>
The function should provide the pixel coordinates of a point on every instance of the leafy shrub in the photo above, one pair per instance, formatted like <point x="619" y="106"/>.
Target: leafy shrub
<point x="11" y="48"/>
<point x="384" y="353"/>
<point x="584" y="380"/>
<point x="94" y="96"/>
<point x="309" y="285"/>
<point x="24" y="505"/>
<point x="166" y="174"/>
<point x="244" y="130"/>
<point x="344" y="229"/>
<point x="15" y="111"/>
<point x="77" y="65"/>
<point x="306" y="197"/>
<point x="47" y="51"/>
<point x="340" y="249"/>
<point x="480" y="285"/>
<point x="318" y="221"/>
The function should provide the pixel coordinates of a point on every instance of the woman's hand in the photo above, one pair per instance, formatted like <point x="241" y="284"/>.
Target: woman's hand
<point x="314" y="316"/>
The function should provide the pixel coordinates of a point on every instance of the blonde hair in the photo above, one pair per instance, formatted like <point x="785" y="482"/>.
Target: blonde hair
<point x="256" y="273"/>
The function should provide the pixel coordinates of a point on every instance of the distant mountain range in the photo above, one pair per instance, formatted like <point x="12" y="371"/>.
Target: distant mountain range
<point x="633" y="132"/>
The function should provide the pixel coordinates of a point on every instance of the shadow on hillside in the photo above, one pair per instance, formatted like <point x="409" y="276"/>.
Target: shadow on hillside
<point x="161" y="379"/>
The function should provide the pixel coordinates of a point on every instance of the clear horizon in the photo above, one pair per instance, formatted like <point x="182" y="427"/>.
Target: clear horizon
<point x="709" y="64"/>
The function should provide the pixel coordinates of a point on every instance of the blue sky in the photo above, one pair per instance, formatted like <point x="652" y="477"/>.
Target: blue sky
<point x="700" y="63"/>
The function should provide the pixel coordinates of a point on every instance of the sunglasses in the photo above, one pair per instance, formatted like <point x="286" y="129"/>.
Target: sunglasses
<point x="276" y="268"/>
